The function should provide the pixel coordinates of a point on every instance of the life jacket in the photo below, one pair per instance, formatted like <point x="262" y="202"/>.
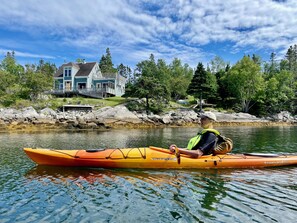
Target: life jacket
<point x="195" y="140"/>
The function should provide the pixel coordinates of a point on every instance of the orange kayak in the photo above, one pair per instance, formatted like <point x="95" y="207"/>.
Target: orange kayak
<point x="153" y="157"/>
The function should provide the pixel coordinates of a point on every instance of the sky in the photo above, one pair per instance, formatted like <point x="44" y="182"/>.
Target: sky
<point x="60" y="31"/>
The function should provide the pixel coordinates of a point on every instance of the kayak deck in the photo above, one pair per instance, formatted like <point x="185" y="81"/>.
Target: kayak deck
<point x="153" y="157"/>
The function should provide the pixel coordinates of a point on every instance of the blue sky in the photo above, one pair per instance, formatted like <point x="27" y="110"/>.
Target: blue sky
<point x="194" y="31"/>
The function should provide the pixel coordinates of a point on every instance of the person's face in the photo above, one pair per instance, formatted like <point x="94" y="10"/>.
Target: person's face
<point x="205" y="122"/>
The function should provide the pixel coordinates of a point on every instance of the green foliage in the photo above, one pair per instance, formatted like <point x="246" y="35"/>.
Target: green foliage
<point x="18" y="83"/>
<point x="36" y="83"/>
<point x="180" y="78"/>
<point x="125" y="71"/>
<point x="152" y="91"/>
<point x="151" y="83"/>
<point x="203" y="85"/>
<point x="279" y="92"/>
<point x="217" y="64"/>
<point x="106" y="64"/>
<point x="9" y="64"/>
<point x="291" y="57"/>
<point x="245" y="82"/>
<point x="243" y="87"/>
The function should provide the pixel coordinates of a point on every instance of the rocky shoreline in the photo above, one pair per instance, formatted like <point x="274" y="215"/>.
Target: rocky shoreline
<point x="28" y="119"/>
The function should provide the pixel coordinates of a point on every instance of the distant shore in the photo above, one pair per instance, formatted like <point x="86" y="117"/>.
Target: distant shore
<point x="30" y="120"/>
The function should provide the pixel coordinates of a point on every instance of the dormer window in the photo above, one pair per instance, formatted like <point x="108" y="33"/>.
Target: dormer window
<point x="67" y="71"/>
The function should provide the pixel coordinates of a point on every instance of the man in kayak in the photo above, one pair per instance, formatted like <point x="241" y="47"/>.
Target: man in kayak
<point x="205" y="142"/>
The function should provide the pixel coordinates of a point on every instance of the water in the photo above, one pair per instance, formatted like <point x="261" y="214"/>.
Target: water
<point x="30" y="193"/>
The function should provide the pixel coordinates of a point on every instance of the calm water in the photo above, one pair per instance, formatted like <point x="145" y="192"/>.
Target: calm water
<point x="46" y="194"/>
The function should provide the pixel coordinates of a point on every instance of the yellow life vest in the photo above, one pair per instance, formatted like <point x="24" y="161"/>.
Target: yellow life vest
<point x="194" y="141"/>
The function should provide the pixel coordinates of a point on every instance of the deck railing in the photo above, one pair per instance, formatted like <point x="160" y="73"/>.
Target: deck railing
<point x="93" y="92"/>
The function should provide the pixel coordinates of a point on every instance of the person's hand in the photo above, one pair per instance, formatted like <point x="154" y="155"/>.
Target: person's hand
<point x="172" y="148"/>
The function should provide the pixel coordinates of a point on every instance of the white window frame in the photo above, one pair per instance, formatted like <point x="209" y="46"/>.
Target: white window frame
<point x="67" y="71"/>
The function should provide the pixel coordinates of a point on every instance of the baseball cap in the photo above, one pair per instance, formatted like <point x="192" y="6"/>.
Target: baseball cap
<point x="209" y="115"/>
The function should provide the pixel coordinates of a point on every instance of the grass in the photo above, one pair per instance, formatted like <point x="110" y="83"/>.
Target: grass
<point x="55" y="103"/>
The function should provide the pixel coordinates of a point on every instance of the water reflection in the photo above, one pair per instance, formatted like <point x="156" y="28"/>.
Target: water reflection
<point x="31" y="193"/>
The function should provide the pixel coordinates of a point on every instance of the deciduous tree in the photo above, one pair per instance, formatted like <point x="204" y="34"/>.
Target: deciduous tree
<point x="246" y="82"/>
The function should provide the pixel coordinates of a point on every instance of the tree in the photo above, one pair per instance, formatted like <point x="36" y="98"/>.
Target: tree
<point x="10" y="65"/>
<point x="106" y="64"/>
<point x="271" y="68"/>
<point x="224" y="96"/>
<point x="257" y="59"/>
<point x="80" y="60"/>
<point x="147" y="68"/>
<point x="180" y="78"/>
<point x="291" y="57"/>
<point x="149" y="88"/>
<point x="246" y="82"/>
<point x="46" y="68"/>
<point x="279" y="92"/>
<point x="36" y="81"/>
<point x="217" y="64"/>
<point x="203" y="84"/>
<point x="150" y="83"/>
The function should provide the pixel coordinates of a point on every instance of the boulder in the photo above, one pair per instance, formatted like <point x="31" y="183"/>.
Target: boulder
<point x="116" y="114"/>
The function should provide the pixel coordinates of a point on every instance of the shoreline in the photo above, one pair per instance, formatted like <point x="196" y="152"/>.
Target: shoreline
<point x="35" y="128"/>
<point x="119" y="117"/>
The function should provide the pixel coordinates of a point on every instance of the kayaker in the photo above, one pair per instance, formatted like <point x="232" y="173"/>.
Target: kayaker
<point x="204" y="143"/>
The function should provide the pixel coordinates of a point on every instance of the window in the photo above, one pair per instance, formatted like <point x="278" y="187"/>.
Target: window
<point x="67" y="72"/>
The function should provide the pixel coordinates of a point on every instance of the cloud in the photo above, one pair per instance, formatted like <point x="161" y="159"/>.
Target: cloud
<point x="25" y="54"/>
<point x="177" y="28"/>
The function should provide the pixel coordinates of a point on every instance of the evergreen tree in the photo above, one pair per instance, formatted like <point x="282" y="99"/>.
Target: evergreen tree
<point x="203" y="84"/>
<point x="271" y="68"/>
<point x="106" y="64"/>
<point x="10" y="65"/>
<point x="291" y="57"/>
<point x="257" y="59"/>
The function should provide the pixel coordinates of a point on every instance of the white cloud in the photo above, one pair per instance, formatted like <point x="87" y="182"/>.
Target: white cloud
<point x="25" y="54"/>
<point x="177" y="28"/>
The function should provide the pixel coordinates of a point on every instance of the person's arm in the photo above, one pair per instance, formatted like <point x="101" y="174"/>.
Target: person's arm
<point x="207" y="143"/>
<point x="192" y="153"/>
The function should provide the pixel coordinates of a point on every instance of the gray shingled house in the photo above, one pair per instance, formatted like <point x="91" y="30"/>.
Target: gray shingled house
<point x="86" y="79"/>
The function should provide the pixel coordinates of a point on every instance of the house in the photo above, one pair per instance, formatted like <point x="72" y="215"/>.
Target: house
<point x="86" y="79"/>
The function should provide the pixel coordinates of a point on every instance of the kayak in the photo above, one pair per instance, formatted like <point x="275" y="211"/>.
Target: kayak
<point x="153" y="157"/>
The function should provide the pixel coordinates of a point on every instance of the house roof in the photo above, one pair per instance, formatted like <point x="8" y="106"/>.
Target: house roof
<point x="84" y="69"/>
<point x="109" y="75"/>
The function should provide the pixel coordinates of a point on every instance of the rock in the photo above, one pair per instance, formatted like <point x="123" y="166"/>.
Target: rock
<point x="29" y="113"/>
<point x="116" y="114"/>
<point x="48" y="112"/>
<point x="283" y="116"/>
<point x="235" y="117"/>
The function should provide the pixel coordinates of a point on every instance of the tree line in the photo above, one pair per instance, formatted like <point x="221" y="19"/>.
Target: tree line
<point x="23" y="82"/>
<point x="250" y="85"/>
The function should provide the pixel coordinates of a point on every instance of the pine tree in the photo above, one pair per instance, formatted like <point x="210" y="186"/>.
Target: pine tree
<point x="203" y="84"/>
<point x="291" y="57"/>
<point x="106" y="64"/>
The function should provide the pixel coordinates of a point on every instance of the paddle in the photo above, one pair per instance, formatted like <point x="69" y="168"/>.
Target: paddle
<point x="262" y="154"/>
